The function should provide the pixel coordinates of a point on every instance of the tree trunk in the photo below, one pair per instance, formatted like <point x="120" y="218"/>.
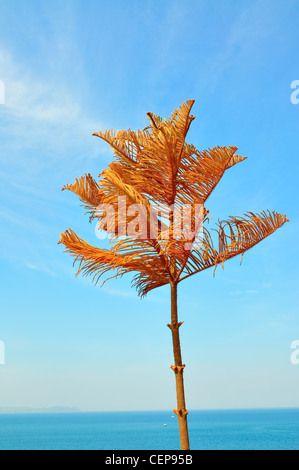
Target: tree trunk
<point x="178" y="370"/>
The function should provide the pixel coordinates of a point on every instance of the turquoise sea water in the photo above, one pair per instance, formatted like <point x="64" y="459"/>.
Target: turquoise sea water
<point x="209" y="430"/>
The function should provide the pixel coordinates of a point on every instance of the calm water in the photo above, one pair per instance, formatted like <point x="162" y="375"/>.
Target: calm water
<point x="223" y="430"/>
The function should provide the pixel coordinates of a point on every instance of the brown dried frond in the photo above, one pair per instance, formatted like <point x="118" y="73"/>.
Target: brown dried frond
<point x="200" y="172"/>
<point x="122" y="259"/>
<point x="117" y="141"/>
<point x="235" y="236"/>
<point x="245" y="232"/>
<point x="88" y="191"/>
<point x="157" y="170"/>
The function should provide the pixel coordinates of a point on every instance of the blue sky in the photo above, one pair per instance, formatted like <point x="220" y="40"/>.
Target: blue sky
<point x="71" y="68"/>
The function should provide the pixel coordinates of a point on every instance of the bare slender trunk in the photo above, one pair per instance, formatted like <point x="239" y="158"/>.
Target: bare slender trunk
<point x="178" y="370"/>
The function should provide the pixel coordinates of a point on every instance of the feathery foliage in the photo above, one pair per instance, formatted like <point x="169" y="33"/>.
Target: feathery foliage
<point x="157" y="174"/>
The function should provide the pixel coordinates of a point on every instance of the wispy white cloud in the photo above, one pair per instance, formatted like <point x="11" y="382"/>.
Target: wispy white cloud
<point x="244" y="292"/>
<point x="43" y="113"/>
<point x="44" y="269"/>
<point x="132" y="294"/>
<point x="245" y="41"/>
<point x="26" y="242"/>
<point x="21" y="221"/>
<point x="119" y="292"/>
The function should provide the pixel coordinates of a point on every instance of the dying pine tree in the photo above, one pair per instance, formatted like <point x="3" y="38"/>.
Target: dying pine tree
<point x="157" y="175"/>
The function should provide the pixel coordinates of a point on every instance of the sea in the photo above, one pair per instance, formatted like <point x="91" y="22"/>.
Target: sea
<point x="253" y="429"/>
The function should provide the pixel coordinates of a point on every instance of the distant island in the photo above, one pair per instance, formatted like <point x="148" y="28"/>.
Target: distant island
<point x="52" y="409"/>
